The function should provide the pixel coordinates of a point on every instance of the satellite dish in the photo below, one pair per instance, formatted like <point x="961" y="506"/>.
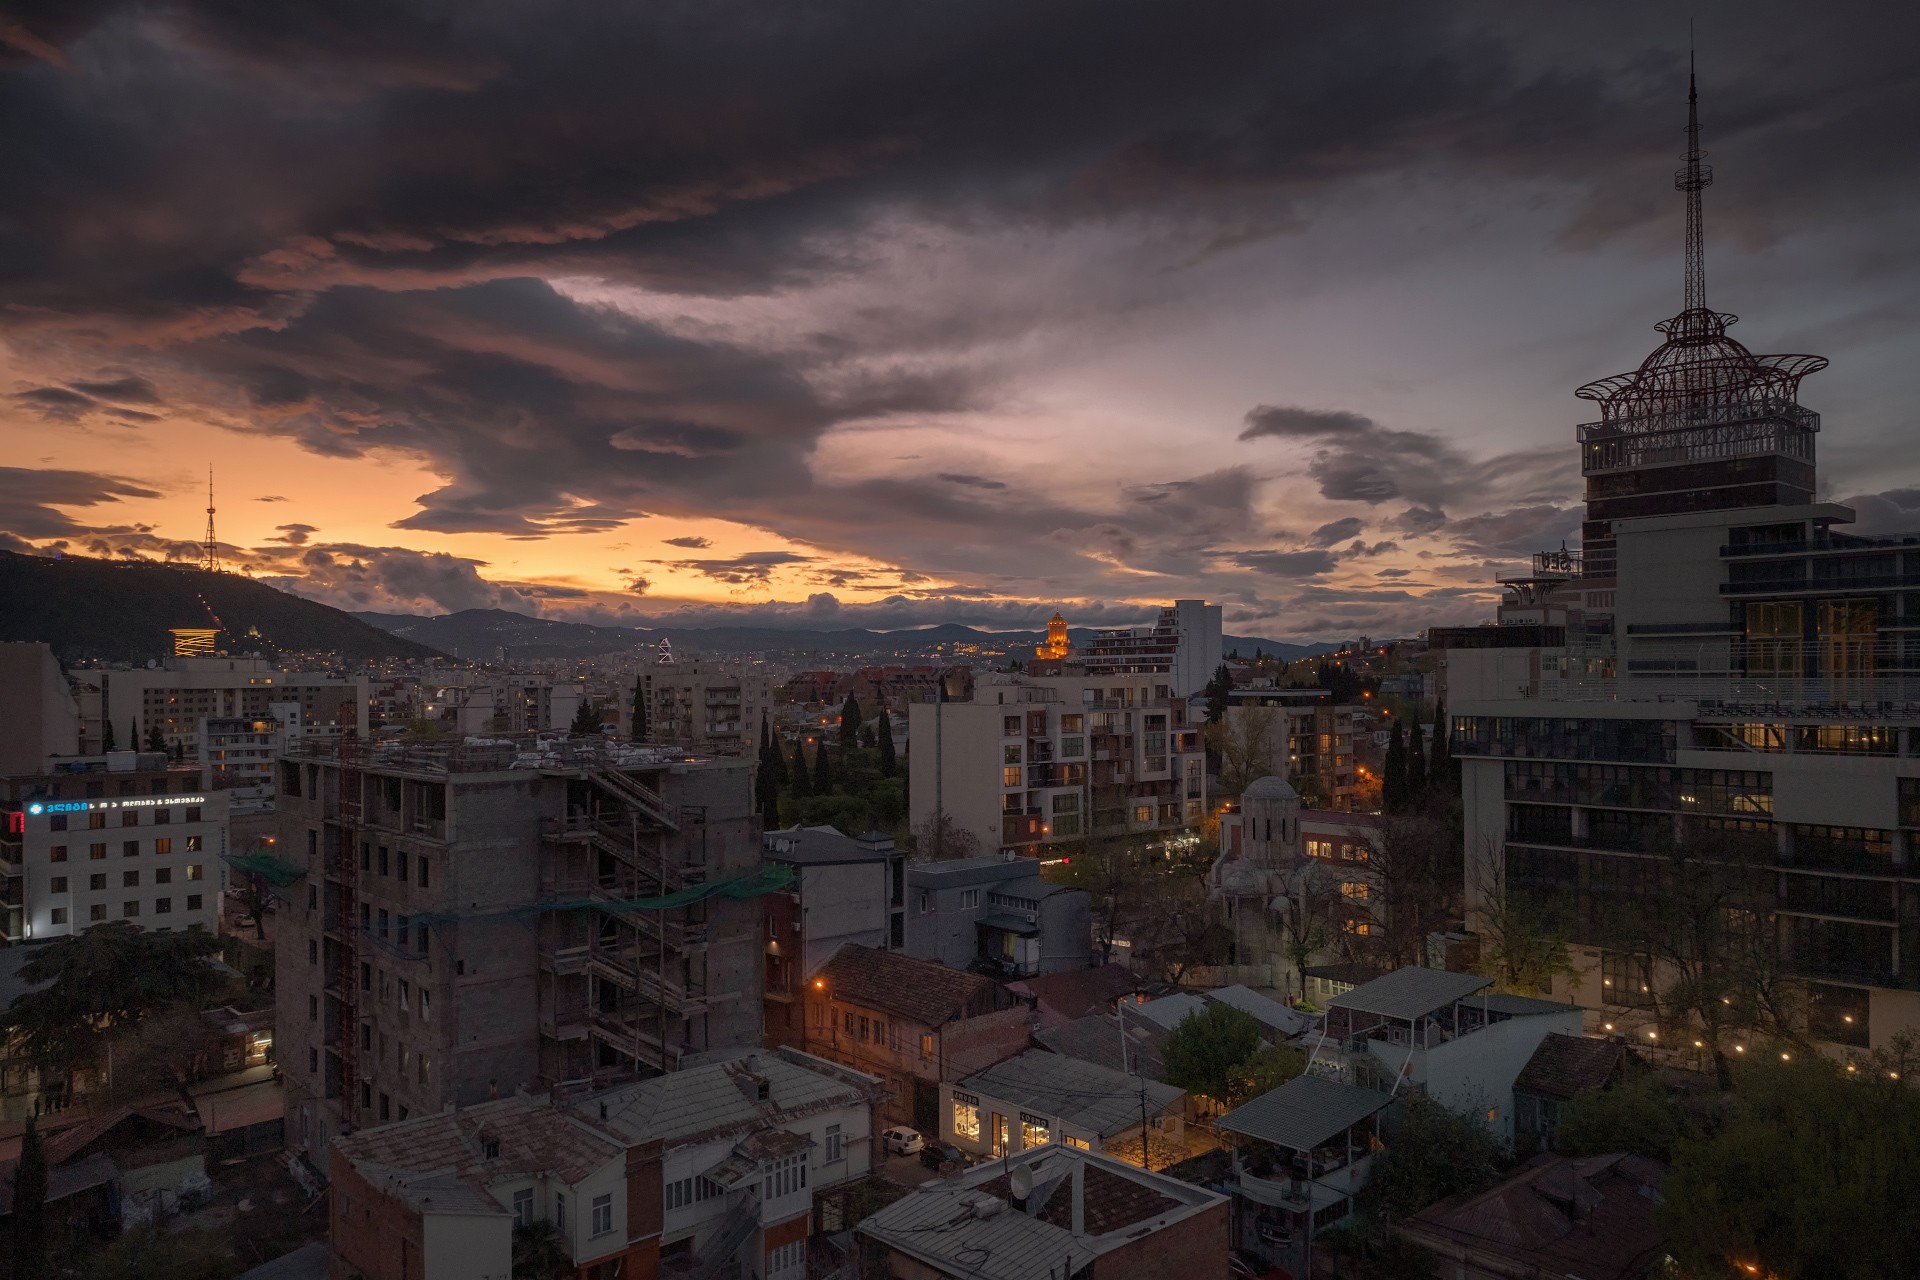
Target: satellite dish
<point x="1021" y="1180"/>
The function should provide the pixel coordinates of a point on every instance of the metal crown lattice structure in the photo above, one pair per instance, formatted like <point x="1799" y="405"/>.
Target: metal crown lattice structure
<point x="1699" y="376"/>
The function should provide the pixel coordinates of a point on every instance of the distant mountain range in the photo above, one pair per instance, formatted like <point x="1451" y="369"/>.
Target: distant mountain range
<point x="485" y="634"/>
<point x="121" y="610"/>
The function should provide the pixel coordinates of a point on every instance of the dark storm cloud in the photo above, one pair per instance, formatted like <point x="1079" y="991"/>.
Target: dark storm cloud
<point x="972" y="481"/>
<point x="1355" y="459"/>
<point x="1286" y="564"/>
<point x="689" y="542"/>
<point x="753" y="568"/>
<point x="294" y="535"/>
<point x="55" y="402"/>
<point x="1336" y="531"/>
<point x="124" y="390"/>
<point x="30" y="500"/>
<point x="345" y="211"/>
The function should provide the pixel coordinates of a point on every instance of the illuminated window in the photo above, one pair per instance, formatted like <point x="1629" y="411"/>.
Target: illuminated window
<point x="1080" y="1143"/>
<point x="1010" y="777"/>
<point x="966" y="1116"/>
<point x="1319" y="848"/>
<point x="1355" y="889"/>
<point x="1035" y="1131"/>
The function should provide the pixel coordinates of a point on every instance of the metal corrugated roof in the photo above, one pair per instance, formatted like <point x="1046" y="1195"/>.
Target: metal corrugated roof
<point x="1303" y="1113"/>
<point x="1079" y="1093"/>
<point x="1265" y="1008"/>
<point x="709" y="1099"/>
<point x="1410" y="993"/>
<point x="1520" y="1006"/>
<point x="1167" y="1011"/>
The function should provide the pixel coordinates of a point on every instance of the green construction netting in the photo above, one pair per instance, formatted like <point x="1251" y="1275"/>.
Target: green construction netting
<point x="269" y="868"/>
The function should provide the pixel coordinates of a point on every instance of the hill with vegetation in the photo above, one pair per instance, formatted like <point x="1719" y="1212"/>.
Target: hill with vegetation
<point x="121" y="611"/>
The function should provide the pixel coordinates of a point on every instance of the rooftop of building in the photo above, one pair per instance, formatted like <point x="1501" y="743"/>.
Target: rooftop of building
<point x="1083" y="1094"/>
<point x="1079" y="1205"/>
<point x="1075" y="993"/>
<point x="1410" y="992"/>
<point x="1566" y="1066"/>
<point x="449" y="1159"/>
<point x="826" y="846"/>
<point x="949" y="872"/>
<point x="719" y="1099"/>
<point x="923" y="991"/>
<point x="1305" y="1113"/>
<point x="1594" y="1217"/>
<point x="1098" y="1038"/>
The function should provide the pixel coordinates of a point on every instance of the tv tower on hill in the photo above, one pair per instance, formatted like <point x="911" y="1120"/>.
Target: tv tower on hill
<point x="210" y="552"/>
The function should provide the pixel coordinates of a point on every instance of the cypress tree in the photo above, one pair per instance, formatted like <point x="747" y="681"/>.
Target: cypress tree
<point x="767" y="791"/>
<point x="850" y="722"/>
<point x="1440" y="767"/>
<point x="133" y="735"/>
<point x="888" y="761"/>
<point x="1393" y="779"/>
<point x="1416" y="761"/>
<point x="822" y="770"/>
<point x="777" y="755"/>
<point x="106" y="735"/>
<point x="640" y="713"/>
<point x="30" y="1207"/>
<point x="154" y="741"/>
<point x="802" y="779"/>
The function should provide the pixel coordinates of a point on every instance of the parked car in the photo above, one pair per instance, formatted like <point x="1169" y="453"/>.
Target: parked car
<point x="902" y="1141"/>
<point x="936" y="1154"/>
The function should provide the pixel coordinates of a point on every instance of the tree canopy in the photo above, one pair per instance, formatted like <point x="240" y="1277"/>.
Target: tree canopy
<point x="586" y="720"/>
<point x="29" y="1229"/>
<point x="1815" y="1173"/>
<point x="1432" y="1154"/>
<point x="1638" y="1115"/>
<point x="97" y="981"/>
<point x="1205" y="1054"/>
<point x="850" y="722"/>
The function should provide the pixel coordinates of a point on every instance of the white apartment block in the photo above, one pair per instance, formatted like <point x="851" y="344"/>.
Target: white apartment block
<point x="121" y="836"/>
<point x="1182" y="647"/>
<point x="1041" y="760"/>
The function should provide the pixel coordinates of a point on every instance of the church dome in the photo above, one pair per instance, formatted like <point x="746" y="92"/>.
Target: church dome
<point x="1270" y="788"/>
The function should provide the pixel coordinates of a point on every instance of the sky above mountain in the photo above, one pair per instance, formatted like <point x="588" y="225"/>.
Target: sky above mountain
<point x="888" y="314"/>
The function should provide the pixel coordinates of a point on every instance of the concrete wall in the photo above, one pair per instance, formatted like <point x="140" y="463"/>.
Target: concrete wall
<point x="39" y="712"/>
<point x="954" y="763"/>
<point x="1474" y="1074"/>
<point x="1066" y="931"/>
<point x="467" y="1247"/>
<point x="1193" y="1248"/>
<point x="842" y="902"/>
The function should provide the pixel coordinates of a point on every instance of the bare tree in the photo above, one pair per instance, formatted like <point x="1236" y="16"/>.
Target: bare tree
<point x="1251" y="744"/>
<point x="1414" y="878"/>
<point x="1308" y="917"/>
<point x="255" y="897"/>
<point x="1181" y="928"/>
<point x="1523" y="942"/>
<point x="939" y="836"/>
<point x="1109" y="868"/>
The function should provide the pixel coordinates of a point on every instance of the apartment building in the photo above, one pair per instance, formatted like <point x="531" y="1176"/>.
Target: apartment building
<point x="509" y="703"/>
<point x="1722" y="685"/>
<point x="995" y="914"/>
<point x="1041" y="760"/>
<point x="471" y="918"/>
<point x="912" y="1024"/>
<point x="707" y="706"/>
<point x="1182" y="648"/>
<point x="843" y="890"/>
<point x="708" y="1171"/>
<point x="121" y="836"/>
<point x="181" y="693"/>
<point x="1313" y="737"/>
<point x="1054" y="1207"/>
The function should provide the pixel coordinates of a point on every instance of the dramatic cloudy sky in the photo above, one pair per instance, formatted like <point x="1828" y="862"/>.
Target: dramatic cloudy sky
<point x="905" y="312"/>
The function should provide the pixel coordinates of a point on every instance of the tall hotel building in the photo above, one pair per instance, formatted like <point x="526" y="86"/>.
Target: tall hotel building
<point x="1727" y="679"/>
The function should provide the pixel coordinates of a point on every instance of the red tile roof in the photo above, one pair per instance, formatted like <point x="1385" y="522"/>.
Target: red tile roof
<point x="919" y="990"/>
<point x="1592" y="1217"/>
<point x="1565" y="1066"/>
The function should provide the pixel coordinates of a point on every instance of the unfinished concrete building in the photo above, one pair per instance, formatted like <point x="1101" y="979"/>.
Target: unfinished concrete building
<point x="468" y="919"/>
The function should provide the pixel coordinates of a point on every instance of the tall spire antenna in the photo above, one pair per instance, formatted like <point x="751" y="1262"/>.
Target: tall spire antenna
<point x="1692" y="179"/>
<point x="210" y="553"/>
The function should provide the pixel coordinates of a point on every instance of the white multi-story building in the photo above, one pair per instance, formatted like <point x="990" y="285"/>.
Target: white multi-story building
<point x="1037" y="760"/>
<point x="121" y="836"/>
<point x="1182" y="647"/>
<point x="177" y="697"/>
<point x="1724" y="691"/>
